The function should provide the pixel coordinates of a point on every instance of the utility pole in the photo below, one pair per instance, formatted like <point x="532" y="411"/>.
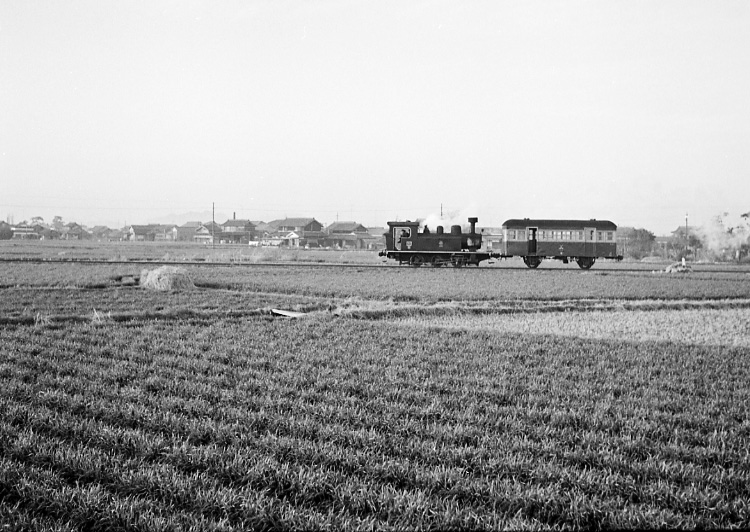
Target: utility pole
<point x="213" y="224"/>
<point x="687" y="237"/>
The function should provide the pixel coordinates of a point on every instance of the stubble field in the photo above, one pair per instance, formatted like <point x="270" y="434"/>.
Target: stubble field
<point x="474" y="398"/>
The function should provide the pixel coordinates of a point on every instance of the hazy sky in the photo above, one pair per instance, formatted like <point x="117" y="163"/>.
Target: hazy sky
<point x="126" y="111"/>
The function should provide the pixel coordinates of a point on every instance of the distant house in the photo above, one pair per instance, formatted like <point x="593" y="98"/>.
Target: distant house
<point x="207" y="233"/>
<point x="377" y="231"/>
<point x="378" y="235"/>
<point x="186" y="231"/>
<point x="141" y="233"/>
<point x="74" y="231"/>
<point x="24" y="232"/>
<point x="5" y="231"/>
<point x="100" y="232"/>
<point x="347" y="235"/>
<point x="238" y="231"/>
<point x="345" y="228"/>
<point x="492" y="237"/>
<point x="49" y="233"/>
<point x="309" y="230"/>
<point x="116" y="235"/>
<point x="281" y="238"/>
<point x="262" y="229"/>
<point x="165" y="233"/>
<point x="153" y="233"/>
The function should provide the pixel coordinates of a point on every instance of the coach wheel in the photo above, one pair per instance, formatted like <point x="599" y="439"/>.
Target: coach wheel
<point x="416" y="260"/>
<point x="532" y="262"/>
<point x="585" y="262"/>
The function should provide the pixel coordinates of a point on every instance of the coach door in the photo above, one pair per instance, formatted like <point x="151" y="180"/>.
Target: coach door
<point x="589" y="237"/>
<point x="531" y="234"/>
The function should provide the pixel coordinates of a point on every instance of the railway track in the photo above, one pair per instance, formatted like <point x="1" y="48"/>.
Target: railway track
<point x="599" y="269"/>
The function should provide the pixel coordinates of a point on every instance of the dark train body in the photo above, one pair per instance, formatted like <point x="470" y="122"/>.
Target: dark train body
<point x="409" y="244"/>
<point x="582" y="241"/>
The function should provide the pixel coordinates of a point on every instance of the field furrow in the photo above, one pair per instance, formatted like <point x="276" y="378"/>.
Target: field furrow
<point x="393" y="403"/>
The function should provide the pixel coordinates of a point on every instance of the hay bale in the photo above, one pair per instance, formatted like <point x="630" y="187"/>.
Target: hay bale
<point x="679" y="267"/>
<point x="166" y="278"/>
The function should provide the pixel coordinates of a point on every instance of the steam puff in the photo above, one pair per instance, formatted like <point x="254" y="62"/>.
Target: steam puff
<point x="460" y="217"/>
<point x="716" y="237"/>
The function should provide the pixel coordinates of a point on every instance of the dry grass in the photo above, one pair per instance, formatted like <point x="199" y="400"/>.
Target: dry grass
<point x="166" y="278"/>
<point x="727" y="327"/>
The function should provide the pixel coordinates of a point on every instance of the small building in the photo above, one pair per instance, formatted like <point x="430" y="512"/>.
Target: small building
<point x="262" y="229"/>
<point x="238" y="231"/>
<point x="6" y="233"/>
<point x="347" y="235"/>
<point x="378" y="237"/>
<point x="117" y="235"/>
<point x="492" y="237"/>
<point x="207" y="233"/>
<point x="141" y="233"/>
<point x="153" y="233"/>
<point x="186" y="231"/>
<point x="100" y="232"/>
<point x="165" y="233"/>
<point x="24" y="232"/>
<point x="309" y="230"/>
<point x="288" y="239"/>
<point x="74" y="231"/>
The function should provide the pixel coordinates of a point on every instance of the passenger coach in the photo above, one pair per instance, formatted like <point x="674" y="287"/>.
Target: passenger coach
<point x="583" y="241"/>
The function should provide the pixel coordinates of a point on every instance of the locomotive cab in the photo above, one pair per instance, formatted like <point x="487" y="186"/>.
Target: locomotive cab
<point x="401" y="235"/>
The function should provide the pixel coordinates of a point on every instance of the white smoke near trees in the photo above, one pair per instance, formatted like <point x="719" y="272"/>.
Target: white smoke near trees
<point x="725" y="238"/>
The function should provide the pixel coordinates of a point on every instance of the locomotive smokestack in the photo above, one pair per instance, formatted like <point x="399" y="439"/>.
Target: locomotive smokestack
<point x="473" y="222"/>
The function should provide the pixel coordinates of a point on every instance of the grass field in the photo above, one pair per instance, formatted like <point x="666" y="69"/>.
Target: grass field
<point x="481" y="398"/>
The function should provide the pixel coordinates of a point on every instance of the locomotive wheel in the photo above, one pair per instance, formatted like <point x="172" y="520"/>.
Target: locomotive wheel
<point x="532" y="262"/>
<point x="436" y="261"/>
<point x="585" y="262"/>
<point x="416" y="260"/>
<point x="457" y="262"/>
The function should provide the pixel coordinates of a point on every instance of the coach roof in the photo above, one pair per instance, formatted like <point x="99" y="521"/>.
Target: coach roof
<point x="602" y="225"/>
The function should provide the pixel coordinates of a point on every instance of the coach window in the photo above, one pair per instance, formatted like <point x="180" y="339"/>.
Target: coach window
<point x="609" y="236"/>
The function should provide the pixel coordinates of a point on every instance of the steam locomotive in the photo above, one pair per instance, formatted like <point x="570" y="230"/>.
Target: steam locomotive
<point x="582" y="241"/>
<point x="409" y="244"/>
